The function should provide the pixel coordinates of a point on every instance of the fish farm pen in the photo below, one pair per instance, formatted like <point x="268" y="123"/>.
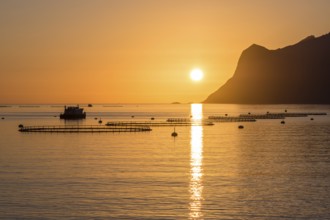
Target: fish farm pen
<point x="178" y="120"/>
<point x="84" y="128"/>
<point x="160" y="123"/>
<point x="280" y="115"/>
<point x="262" y="116"/>
<point x="231" y="119"/>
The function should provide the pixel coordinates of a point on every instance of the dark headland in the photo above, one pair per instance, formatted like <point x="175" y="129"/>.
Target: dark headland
<point x="296" y="74"/>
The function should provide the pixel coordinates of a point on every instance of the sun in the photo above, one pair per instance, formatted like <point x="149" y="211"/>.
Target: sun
<point x="196" y="74"/>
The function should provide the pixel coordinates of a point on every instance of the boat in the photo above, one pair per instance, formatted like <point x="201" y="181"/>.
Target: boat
<point x="90" y="105"/>
<point x="73" y="112"/>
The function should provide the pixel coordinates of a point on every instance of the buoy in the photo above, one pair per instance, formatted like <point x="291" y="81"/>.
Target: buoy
<point x="132" y="116"/>
<point x="152" y="118"/>
<point x="249" y="113"/>
<point x="174" y="134"/>
<point x="267" y="112"/>
<point x="282" y="122"/>
<point x="2" y="118"/>
<point x="100" y="121"/>
<point x="312" y="119"/>
<point x="95" y="118"/>
<point x="240" y="126"/>
<point x="286" y="110"/>
<point x="20" y="126"/>
<point x="226" y="114"/>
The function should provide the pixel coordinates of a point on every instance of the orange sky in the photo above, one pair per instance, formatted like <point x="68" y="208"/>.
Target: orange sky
<point x="138" y="51"/>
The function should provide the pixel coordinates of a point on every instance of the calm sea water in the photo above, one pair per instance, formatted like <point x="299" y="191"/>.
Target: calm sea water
<point x="265" y="171"/>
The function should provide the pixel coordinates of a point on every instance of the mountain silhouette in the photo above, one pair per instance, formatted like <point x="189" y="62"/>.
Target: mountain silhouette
<point x="297" y="74"/>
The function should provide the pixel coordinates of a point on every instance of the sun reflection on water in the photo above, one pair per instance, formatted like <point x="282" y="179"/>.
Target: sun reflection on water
<point x="196" y="159"/>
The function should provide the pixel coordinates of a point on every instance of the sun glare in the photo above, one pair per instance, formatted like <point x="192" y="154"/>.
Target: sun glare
<point x="196" y="74"/>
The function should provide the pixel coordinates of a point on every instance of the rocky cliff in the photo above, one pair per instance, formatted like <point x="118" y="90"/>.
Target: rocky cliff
<point x="295" y="74"/>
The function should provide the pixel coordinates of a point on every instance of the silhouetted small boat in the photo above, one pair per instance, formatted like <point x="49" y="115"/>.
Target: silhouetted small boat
<point x="90" y="105"/>
<point x="73" y="112"/>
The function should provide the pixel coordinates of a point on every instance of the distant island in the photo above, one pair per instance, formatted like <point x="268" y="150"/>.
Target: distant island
<point x="296" y="74"/>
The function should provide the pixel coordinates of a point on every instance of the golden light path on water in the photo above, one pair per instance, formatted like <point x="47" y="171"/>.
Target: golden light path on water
<point x="196" y="160"/>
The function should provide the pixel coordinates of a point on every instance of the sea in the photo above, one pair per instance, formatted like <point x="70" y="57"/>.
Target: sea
<point x="267" y="170"/>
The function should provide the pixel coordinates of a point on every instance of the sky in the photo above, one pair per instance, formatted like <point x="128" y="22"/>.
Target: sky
<point x="138" y="51"/>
